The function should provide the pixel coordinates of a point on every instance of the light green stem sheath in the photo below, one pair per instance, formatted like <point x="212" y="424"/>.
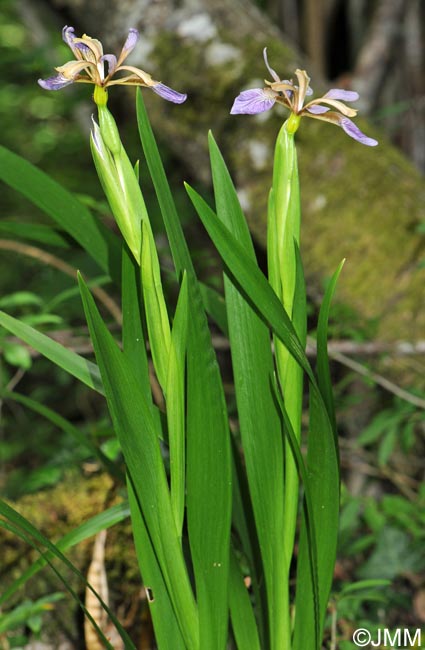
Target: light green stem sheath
<point x="283" y="239"/>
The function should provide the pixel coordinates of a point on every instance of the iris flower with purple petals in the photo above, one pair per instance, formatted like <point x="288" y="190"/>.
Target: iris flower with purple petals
<point x="92" y="66"/>
<point x="258" y="100"/>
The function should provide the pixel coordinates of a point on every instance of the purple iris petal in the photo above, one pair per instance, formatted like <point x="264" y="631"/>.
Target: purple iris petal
<point x="68" y="35"/>
<point x="169" y="94"/>
<point x="354" y="132"/>
<point x="130" y="42"/>
<point x="344" y="95"/>
<point x="55" y="83"/>
<point x="253" y="101"/>
<point x="317" y="110"/>
<point x="112" y="62"/>
<point x="82" y="47"/>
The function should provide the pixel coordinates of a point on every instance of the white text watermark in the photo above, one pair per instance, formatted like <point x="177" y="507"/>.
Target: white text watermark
<point x="385" y="638"/>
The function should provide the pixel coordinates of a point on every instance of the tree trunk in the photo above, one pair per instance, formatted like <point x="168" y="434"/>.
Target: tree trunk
<point x="360" y="203"/>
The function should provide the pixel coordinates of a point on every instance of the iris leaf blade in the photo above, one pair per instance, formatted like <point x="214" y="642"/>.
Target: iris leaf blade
<point x="243" y="620"/>
<point x="208" y="477"/>
<point x="168" y="635"/>
<point x="139" y="438"/>
<point x="77" y="366"/>
<point x="324" y="483"/>
<point x="64" y="208"/>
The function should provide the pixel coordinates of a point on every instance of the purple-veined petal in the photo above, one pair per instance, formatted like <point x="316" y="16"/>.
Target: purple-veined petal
<point x="354" y="132"/>
<point x="169" y="94"/>
<point x="272" y="72"/>
<point x="91" y="48"/>
<point x="251" y="102"/>
<point x="85" y="50"/>
<point x="111" y="59"/>
<point x="68" y="35"/>
<point x="130" y="43"/>
<point x="343" y="95"/>
<point x="55" y="83"/>
<point x="317" y="110"/>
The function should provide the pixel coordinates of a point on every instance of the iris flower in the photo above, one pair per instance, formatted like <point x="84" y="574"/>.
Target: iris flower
<point x="92" y="66"/>
<point x="329" y="108"/>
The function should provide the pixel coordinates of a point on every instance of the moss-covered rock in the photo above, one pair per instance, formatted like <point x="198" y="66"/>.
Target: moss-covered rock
<point x="55" y="512"/>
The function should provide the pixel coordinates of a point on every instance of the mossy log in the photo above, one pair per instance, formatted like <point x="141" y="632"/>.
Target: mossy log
<point x="359" y="203"/>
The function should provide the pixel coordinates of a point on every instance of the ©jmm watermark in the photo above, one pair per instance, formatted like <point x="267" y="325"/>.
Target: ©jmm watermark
<point x="384" y="638"/>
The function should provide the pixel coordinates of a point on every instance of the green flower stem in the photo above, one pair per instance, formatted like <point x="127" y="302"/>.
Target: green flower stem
<point x="175" y="400"/>
<point x="283" y="241"/>
<point x="155" y="307"/>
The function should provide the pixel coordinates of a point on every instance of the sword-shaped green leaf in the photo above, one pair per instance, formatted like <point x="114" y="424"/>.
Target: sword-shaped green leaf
<point x="84" y="370"/>
<point x="64" y="208"/>
<point x="139" y="440"/>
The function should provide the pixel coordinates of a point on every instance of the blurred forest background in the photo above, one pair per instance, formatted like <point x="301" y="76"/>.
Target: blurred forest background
<point x="368" y="206"/>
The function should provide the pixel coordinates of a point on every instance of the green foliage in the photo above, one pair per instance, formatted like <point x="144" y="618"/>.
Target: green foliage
<point x="392" y="429"/>
<point x="28" y="613"/>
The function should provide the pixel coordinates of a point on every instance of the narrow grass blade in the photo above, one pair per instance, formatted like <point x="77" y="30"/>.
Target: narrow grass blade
<point x="168" y="635"/>
<point x="179" y="249"/>
<point x="324" y="482"/>
<point x="312" y="567"/>
<point x="323" y="373"/>
<point x="175" y="400"/>
<point x="323" y="472"/>
<point x="23" y="528"/>
<point x="64" y="208"/>
<point x="139" y="439"/>
<point x="133" y="335"/>
<point x="215" y="306"/>
<point x="84" y="370"/>
<point x="243" y="524"/>
<point x="99" y="522"/>
<point x="258" y="417"/>
<point x="242" y="615"/>
<point x="360" y="585"/>
<point x="67" y="427"/>
<point x="36" y="232"/>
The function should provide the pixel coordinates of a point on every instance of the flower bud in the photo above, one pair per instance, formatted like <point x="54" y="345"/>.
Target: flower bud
<point x="109" y="130"/>
<point x="121" y="188"/>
